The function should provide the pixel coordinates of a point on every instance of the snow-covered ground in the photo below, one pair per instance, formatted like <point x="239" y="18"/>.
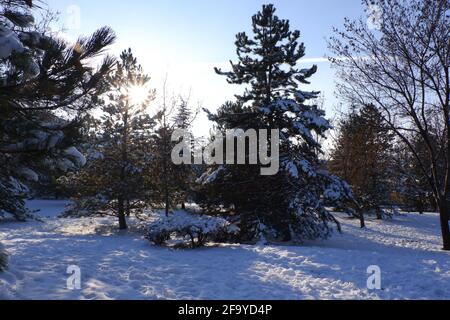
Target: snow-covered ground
<point x="117" y="265"/>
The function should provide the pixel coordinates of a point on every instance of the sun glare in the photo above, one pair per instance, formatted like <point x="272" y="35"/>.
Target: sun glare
<point x="138" y="94"/>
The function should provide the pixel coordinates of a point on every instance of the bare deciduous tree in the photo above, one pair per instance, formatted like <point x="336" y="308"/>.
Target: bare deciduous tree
<point x="402" y="67"/>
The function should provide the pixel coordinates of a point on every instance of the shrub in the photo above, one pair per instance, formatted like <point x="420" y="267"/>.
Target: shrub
<point x="183" y="229"/>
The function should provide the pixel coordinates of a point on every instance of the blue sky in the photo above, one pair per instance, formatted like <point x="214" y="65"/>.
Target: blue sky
<point x="186" y="39"/>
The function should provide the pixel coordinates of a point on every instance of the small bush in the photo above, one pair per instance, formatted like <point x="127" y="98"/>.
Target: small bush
<point x="182" y="229"/>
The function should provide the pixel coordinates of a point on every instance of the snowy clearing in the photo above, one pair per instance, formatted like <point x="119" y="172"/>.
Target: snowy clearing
<point x="118" y="265"/>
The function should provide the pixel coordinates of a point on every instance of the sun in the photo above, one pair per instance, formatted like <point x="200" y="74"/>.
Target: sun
<point x="138" y="95"/>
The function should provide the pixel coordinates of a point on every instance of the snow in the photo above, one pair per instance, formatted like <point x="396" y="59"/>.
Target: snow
<point x="123" y="265"/>
<point x="29" y="174"/>
<point x="332" y="193"/>
<point x="210" y="177"/>
<point x="303" y="95"/>
<point x="54" y="139"/>
<point x="285" y="105"/>
<point x="42" y="141"/>
<point x="96" y="155"/>
<point x="291" y="168"/>
<point x="307" y="168"/>
<point x="180" y="219"/>
<point x="76" y="155"/>
<point x="312" y="118"/>
<point x="9" y="43"/>
<point x="33" y="70"/>
<point x="16" y="186"/>
<point x="265" y="110"/>
<point x="301" y="128"/>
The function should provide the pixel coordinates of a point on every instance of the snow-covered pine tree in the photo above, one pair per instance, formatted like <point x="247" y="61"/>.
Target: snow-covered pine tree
<point x="363" y="156"/>
<point x="290" y="204"/>
<point x="45" y="85"/>
<point x="112" y="182"/>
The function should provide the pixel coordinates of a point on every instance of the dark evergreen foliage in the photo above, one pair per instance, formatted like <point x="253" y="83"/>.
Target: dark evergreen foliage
<point x="113" y="182"/>
<point x="45" y="87"/>
<point x="291" y="204"/>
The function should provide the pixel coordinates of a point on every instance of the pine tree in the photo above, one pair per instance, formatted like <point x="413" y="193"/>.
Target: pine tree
<point x="184" y="173"/>
<point x="112" y="182"/>
<point x="161" y="171"/>
<point x="411" y="183"/>
<point x="184" y="116"/>
<point x="362" y="156"/>
<point x="45" y="86"/>
<point x="171" y="182"/>
<point x="290" y="204"/>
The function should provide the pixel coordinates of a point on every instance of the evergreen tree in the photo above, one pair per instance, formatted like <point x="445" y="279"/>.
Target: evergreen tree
<point x="184" y="115"/>
<point x="185" y="173"/>
<point x="161" y="171"/>
<point x="290" y="204"/>
<point x="362" y="156"/>
<point x="171" y="182"/>
<point x="45" y="87"/>
<point x="112" y="182"/>
<point x="411" y="183"/>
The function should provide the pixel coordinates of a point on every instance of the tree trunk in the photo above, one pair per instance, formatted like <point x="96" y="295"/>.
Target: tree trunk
<point x="444" y="215"/>
<point x="183" y="205"/>
<point x="361" y="219"/>
<point x="128" y="209"/>
<point x="379" y="214"/>
<point x="248" y="228"/>
<point x="286" y="235"/>
<point x="420" y="207"/>
<point x="167" y="203"/>
<point x="122" y="218"/>
<point x="360" y="214"/>
<point x="433" y="204"/>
